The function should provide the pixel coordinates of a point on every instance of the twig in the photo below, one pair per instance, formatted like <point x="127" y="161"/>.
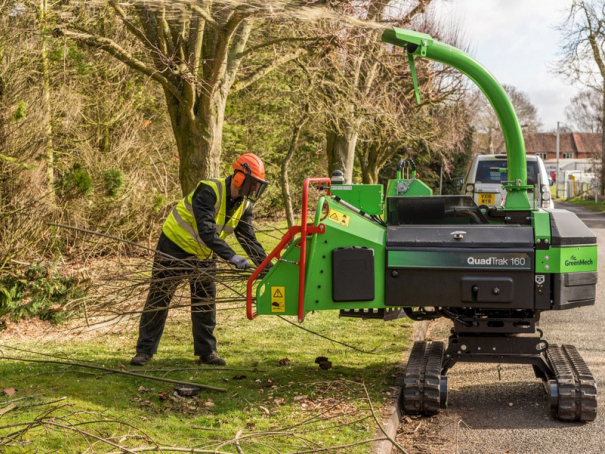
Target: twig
<point x="170" y="449"/>
<point x="42" y="403"/>
<point x="371" y="352"/>
<point x="237" y="445"/>
<point x="21" y="398"/>
<point x="202" y="369"/>
<point x="332" y="448"/>
<point x="88" y="434"/>
<point x="393" y="442"/>
<point x="116" y="371"/>
<point x="104" y="235"/>
<point x="6" y="409"/>
<point x="10" y="347"/>
<point x="418" y="427"/>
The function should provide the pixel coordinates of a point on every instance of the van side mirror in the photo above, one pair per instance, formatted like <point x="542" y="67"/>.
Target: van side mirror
<point x="458" y="182"/>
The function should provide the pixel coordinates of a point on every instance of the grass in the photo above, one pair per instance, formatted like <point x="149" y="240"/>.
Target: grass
<point x="281" y="387"/>
<point x="280" y="396"/>
<point x="590" y="204"/>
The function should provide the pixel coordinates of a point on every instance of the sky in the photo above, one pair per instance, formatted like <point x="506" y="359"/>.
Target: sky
<point x="517" y="41"/>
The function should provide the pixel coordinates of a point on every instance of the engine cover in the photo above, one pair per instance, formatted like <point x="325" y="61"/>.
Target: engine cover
<point x="480" y="266"/>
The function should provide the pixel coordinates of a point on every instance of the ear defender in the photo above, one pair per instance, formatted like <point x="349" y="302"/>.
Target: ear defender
<point x="238" y="179"/>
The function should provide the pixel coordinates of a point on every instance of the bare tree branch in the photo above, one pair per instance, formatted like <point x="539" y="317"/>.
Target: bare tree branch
<point x="131" y="27"/>
<point x="115" y="50"/>
<point x="266" y="69"/>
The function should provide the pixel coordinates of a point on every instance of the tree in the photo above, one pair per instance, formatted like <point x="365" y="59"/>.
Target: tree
<point x="283" y="122"/>
<point x="198" y="52"/>
<point x="585" y="111"/>
<point x="351" y="72"/>
<point x="393" y="121"/>
<point x="489" y="138"/>
<point x="583" y="54"/>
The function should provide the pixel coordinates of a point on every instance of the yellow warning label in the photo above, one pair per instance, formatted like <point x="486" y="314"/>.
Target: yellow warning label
<point x="339" y="218"/>
<point x="278" y="299"/>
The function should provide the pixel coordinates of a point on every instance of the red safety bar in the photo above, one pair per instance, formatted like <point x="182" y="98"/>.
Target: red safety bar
<point x="304" y="230"/>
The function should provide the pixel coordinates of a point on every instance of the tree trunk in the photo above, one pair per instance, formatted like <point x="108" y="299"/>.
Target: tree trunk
<point x="370" y="175"/>
<point x="284" y="171"/>
<point x="341" y="151"/>
<point x="490" y="141"/>
<point x="198" y="142"/>
<point x="369" y="165"/>
<point x="603" y="143"/>
<point x="49" y="155"/>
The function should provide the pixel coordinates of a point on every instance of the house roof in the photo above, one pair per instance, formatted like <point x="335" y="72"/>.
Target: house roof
<point x="570" y="142"/>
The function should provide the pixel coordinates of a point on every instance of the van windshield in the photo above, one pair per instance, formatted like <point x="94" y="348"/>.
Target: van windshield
<point x="485" y="175"/>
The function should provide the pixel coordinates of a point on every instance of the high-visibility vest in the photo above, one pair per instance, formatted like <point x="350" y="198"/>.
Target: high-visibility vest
<point x="180" y="225"/>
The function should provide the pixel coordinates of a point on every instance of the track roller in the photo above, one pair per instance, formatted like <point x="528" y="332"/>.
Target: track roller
<point x="424" y="389"/>
<point x="573" y="390"/>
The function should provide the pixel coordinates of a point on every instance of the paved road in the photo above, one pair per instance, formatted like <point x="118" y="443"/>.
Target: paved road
<point x="504" y="409"/>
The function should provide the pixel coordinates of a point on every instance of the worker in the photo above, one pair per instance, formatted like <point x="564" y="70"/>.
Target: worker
<point x="192" y="235"/>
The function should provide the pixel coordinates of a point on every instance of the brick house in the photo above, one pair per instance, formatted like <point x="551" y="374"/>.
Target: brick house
<point x="573" y="145"/>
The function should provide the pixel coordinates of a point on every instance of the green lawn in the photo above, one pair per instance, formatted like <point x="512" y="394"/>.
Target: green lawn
<point x="590" y="204"/>
<point x="282" y="401"/>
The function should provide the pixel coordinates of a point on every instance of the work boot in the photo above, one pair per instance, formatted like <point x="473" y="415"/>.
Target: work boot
<point x="212" y="359"/>
<point x="140" y="359"/>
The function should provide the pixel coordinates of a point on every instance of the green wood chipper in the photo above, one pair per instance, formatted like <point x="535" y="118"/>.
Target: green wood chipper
<point x="406" y="252"/>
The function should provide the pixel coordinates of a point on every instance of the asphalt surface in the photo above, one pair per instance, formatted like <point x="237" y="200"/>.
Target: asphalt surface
<point x="504" y="409"/>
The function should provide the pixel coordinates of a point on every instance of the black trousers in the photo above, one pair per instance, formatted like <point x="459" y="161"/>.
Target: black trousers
<point x="170" y="266"/>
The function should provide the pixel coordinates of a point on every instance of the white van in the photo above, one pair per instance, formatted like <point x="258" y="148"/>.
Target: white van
<point x="484" y="181"/>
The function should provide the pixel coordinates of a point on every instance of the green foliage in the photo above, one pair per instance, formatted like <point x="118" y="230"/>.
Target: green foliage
<point x="20" y="112"/>
<point x="76" y="182"/>
<point x="72" y="57"/>
<point x="114" y="182"/>
<point x="158" y="202"/>
<point x="38" y="291"/>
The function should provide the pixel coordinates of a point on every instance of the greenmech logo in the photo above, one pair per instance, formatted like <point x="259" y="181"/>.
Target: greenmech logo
<point x="573" y="261"/>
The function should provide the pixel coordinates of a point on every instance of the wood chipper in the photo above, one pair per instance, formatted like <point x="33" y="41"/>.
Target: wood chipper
<point x="376" y="254"/>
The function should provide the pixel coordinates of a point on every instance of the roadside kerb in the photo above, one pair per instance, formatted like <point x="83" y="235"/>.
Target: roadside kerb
<point x="392" y="414"/>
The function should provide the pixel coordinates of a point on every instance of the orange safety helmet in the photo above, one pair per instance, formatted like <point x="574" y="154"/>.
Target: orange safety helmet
<point x="249" y="176"/>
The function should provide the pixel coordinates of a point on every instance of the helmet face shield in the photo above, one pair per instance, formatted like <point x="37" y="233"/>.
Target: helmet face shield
<point x="253" y="188"/>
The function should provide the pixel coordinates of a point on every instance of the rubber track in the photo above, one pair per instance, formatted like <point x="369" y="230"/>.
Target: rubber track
<point x="411" y="392"/>
<point x="432" y="379"/>
<point x="588" y="385"/>
<point x="420" y="393"/>
<point x="577" y="386"/>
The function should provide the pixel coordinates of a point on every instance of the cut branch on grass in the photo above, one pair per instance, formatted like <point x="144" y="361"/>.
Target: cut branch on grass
<point x="334" y="448"/>
<point x="370" y="352"/>
<point x="49" y="421"/>
<point x="237" y="445"/>
<point x="393" y="442"/>
<point x="172" y="449"/>
<point x="115" y="371"/>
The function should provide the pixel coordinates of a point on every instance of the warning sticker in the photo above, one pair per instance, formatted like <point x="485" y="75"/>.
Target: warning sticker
<point x="339" y="218"/>
<point x="278" y="299"/>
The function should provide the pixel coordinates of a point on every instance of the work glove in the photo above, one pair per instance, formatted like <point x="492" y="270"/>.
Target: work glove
<point x="240" y="262"/>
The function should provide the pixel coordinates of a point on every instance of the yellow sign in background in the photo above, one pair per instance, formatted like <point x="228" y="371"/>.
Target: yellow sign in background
<point x="339" y="218"/>
<point x="278" y="299"/>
